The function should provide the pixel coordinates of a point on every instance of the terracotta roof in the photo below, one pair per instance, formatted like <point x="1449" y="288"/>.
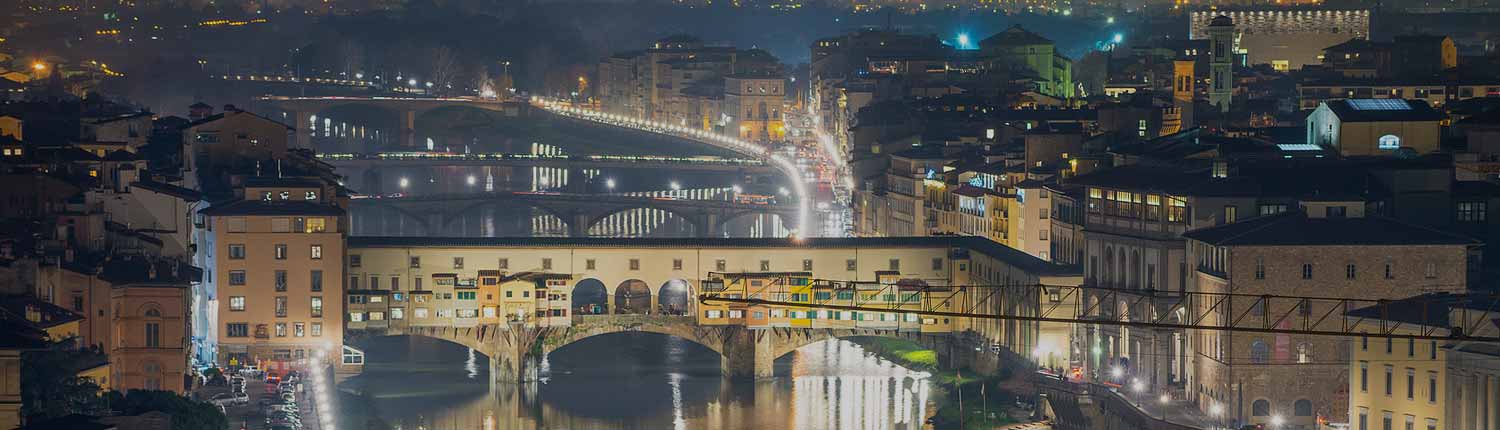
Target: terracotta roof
<point x="1295" y="228"/>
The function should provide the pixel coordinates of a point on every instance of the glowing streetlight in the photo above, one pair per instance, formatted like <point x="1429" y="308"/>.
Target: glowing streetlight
<point x="1165" y="399"/>
<point x="404" y="182"/>
<point x="412" y="82"/>
<point x="676" y="186"/>
<point x="784" y="191"/>
<point x="1137" y="386"/>
<point x="1116" y="372"/>
<point x="1276" y="421"/>
<point x="38" y="66"/>
<point x="737" y="189"/>
<point x="1119" y="38"/>
<point x="1215" y="409"/>
<point x="471" y="180"/>
<point x="963" y="40"/>
<point x="609" y="183"/>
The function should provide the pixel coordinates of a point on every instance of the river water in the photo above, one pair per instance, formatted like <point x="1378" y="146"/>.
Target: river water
<point x="637" y="381"/>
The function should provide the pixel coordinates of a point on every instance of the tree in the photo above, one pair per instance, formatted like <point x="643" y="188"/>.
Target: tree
<point x="51" y="387"/>
<point x="445" y="69"/>
<point x="187" y="414"/>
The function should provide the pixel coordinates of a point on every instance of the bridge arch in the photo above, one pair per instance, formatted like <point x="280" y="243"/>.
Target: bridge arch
<point x="362" y="216"/>
<point x="590" y="297"/>
<point x="452" y="217"/>
<point x="633" y="296"/>
<point x="598" y="225"/>
<point x="603" y="325"/>
<point x="676" y="297"/>
<point x="769" y="224"/>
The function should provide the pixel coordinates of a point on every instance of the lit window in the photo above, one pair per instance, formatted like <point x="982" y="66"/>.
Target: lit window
<point x="1390" y="141"/>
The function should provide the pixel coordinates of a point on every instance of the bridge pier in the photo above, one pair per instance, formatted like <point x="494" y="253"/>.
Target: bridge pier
<point x="749" y="354"/>
<point x="301" y="126"/>
<point x="579" y="225"/>
<point x="408" y="129"/>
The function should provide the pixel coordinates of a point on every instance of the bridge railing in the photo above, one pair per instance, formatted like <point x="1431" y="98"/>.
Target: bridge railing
<point x="447" y="156"/>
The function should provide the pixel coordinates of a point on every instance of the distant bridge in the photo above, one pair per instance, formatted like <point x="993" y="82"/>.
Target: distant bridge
<point x="580" y="212"/>
<point x="302" y="108"/>
<point x="744" y="352"/>
<point x="367" y="172"/>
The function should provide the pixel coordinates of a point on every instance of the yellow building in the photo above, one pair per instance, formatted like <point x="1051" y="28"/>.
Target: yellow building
<point x="1360" y="127"/>
<point x="1425" y="384"/>
<point x="277" y="267"/>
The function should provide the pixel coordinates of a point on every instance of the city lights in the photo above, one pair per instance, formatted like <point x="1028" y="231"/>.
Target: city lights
<point x="1116" y="372"/>
<point x="609" y="183"/>
<point x="471" y="180"/>
<point x="404" y="182"/>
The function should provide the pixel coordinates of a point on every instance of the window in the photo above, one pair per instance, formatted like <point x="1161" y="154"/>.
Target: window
<point x="280" y="329"/>
<point x="416" y="284"/>
<point x="1304" y="352"/>
<point x="395" y="283"/>
<point x="1260" y="268"/>
<point x="1260" y="353"/>
<point x="236" y="251"/>
<point x="236" y="225"/>
<point x="720" y="265"/>
<point x="1364" y="376"/>
<point x="588" y="264"/>
<point x="1411" y="348"/>
<point x="153" y="335"/>
<point x="1432" y="424"/>
<point x="635" y="264"/>
<point x="280" y="276"/>
<point x="1271" y="209"/>
<point x="1432" y="390"/>
<point x="237" y="330"/>
<point x="467" y="295"/>
<point x="280" y="251"/>
<point x="1472" y="211"/>
<point x="353" y="282"/>
<point x="281" y="306"/>
<point x="356" y="317"/>
<point x="316" y="252"/>
<point x="317" y="307"/>
<point x="1389" y="271"/>
<point x="504" y="263"/>
<point x="421" y="312"/>
<point x="765" y="265"/>
<point x="354" y="260"/>
<point x="236" y="277"/>
<point x="237" y="303"/>
<point x="458" y="262"/>
<point x="374" y="282"/>
<point x="1389" y="142"/>
<point x="315" y="281"/>
<point x="317" y="329"/>
<point x="1385" y="420"/>
<point x="676" y="264"/>
<point x="851" y="265"/>
<point x="1432" y="350"/>
<point x="1389" y="345"/>
<point x="546" y="264"/>
<point x="937" y="263"/>
<point x="315" y="225"/>
<point x="299" y="329"/>
<point x="400" y="313"/>
<point x="415" y="262"/>
<point x="1389" y="380"/>
<point x="1260" y="408"/>
<point x="1364" y="419"/>
<point x="1429" y="270"/>
<point x="1349" y="271"/>
<point x="895" y="264"/>
<point x="1231" y="214"/>
<point x="1302" y="408"/>
<point x="807" y="265"/>
<point x="1334" y="212"/>
<point x="1307" y="271"/>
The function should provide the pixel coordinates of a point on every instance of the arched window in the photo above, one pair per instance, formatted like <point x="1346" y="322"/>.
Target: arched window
<point x="1260" y="408"/>
<point x="1390" y="141"/>
<point x="1259" y="352"/>
<point x="153" y="313"/>
<point x="1302" y="408"/>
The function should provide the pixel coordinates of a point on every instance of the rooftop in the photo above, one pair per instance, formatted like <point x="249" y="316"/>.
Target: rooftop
<point x="1295" y="228"/>
<point x="259" y="207"/>
<point x="995" y="250"/>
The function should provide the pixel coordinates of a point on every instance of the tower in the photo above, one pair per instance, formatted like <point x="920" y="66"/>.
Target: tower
<point x="1221" y="62"/>
<point x="1183" y="89"/>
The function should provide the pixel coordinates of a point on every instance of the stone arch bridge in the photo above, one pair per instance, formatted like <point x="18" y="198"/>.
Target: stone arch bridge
<point x="744" y="352"/>
<point x="407" y="108"/>
<point x="579" y="211"/>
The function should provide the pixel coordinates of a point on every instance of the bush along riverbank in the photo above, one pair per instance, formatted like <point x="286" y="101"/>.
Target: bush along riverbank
<point x="981" y="398"/>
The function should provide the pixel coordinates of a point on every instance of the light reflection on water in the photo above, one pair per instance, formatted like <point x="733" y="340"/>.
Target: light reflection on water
<point x="646" y="381"/>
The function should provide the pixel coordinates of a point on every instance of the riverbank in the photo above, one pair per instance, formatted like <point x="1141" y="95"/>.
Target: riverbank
<point x="965" y="399"/>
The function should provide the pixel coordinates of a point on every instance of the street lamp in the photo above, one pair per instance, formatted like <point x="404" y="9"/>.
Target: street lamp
<point x="471" y="180"/>
<point x="609" y="183"/>
<point x="1276" y="421"/>
<point x="737" y="189"/>
<point x="404" y="182"/>
<point x="1116" y="372"/>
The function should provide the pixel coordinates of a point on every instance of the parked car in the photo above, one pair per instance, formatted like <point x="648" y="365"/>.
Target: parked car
<point x="240" y="398"/>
